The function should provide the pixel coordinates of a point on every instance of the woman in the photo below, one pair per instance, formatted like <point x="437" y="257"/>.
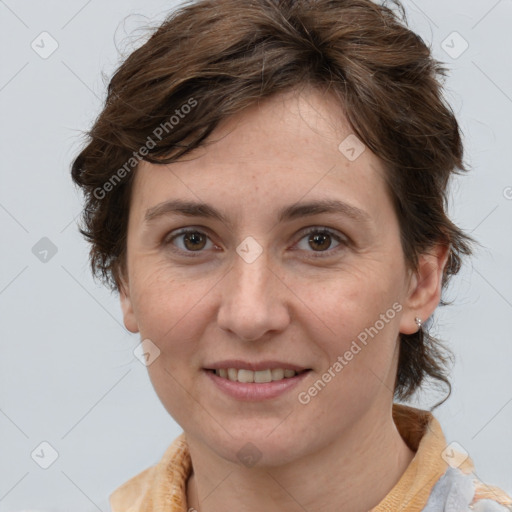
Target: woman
<point x="265" y="187"/>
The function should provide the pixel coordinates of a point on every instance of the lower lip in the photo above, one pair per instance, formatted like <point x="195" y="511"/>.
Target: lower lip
<point x="252" y="391"/>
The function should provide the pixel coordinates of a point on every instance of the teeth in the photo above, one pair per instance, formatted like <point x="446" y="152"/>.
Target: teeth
<point x="261" y="376"/>
<point x="243" y="375"/>
<point x="277" y="373"/>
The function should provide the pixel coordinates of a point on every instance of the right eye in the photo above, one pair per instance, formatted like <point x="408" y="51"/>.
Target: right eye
<point x="192" y="241"/>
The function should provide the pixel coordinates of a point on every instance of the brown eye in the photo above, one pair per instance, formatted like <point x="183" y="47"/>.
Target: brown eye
<point x="191" y="240"/>
<point x="320" y="240"/>
<point x="194" y="240"/>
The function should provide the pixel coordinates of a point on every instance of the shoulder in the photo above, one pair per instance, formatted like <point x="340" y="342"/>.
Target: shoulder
<point x="157" y="484"/>
<point x="129" y="495"/>
<point x="458" y="491"/>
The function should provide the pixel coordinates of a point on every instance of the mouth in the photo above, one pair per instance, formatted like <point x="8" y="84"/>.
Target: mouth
<point x="256" y="377"/>
<point x="243" y="384"/>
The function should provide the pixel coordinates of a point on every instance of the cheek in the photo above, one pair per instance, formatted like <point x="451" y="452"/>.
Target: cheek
<point x="359" y="320"/>
<point x="171" y="312"/>
<point x="351" y="301"/>
<point x="159" y="297"/>
<point x="158" y="303"/>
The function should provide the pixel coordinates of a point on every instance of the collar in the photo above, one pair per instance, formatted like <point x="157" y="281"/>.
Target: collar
<point x="163" y="487"/>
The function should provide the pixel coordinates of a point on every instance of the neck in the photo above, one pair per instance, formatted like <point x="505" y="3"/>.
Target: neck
<point x="361" y="466"/>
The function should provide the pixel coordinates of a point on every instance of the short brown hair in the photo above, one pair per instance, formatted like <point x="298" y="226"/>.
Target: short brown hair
<point x="221" y="56"/>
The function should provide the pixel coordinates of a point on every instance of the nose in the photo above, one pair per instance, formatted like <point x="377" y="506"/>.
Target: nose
<point x="253" y="300"/>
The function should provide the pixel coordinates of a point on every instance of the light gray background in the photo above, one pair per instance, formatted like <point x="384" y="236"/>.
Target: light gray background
<point x="67" y="372"/>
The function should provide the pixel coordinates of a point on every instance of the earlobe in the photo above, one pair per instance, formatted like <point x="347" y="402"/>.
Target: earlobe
<point x="425" y="288"/>
<point x="129" y="319"/>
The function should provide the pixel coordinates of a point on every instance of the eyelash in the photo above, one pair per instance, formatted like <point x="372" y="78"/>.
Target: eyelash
<point x="316" y="254"/>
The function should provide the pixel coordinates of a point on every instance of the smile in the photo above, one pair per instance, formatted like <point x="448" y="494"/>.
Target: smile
<point x="243" y="375"/>
<point x="244" y="384"/>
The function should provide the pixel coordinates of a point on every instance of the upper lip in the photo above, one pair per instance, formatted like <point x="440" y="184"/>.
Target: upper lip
<point x="261" y="365"/>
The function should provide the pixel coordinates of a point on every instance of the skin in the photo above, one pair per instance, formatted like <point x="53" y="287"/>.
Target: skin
<point x="285" y="305"/>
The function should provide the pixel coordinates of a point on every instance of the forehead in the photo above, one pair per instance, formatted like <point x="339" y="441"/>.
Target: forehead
<point x="290" y="146"/>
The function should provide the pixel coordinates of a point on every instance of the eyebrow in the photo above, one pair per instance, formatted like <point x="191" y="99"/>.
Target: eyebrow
<point x="291" y="212"/>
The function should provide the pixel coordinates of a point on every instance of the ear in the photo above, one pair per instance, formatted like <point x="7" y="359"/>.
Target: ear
<point x="424" y="293"/>
<point x="126" y="306"/>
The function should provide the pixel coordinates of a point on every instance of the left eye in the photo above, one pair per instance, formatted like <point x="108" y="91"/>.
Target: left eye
<point x="322" y="238"/>
<point x="195" y="240"/>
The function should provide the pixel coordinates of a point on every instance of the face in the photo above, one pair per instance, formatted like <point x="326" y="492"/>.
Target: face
<point x="254" y="284"/>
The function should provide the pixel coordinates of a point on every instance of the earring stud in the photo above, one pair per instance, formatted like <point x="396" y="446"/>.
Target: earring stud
<point x="418" y="322"/>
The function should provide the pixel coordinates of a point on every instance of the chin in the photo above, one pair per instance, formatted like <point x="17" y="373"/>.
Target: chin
<point x="262" y="447"/>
